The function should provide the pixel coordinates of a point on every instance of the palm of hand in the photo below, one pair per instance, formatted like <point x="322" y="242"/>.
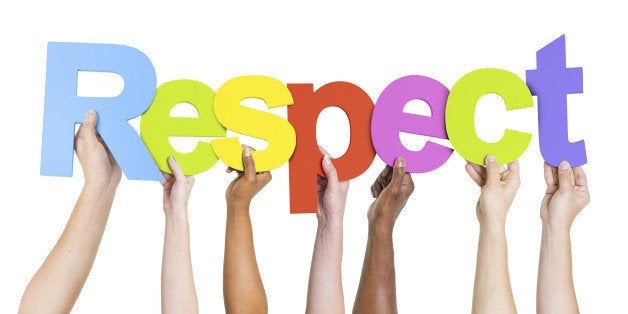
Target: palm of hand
<point x="243" y="188"/>
<point x="566" y="195"/>
<point x="94" y="155"/>
<point x="390" y="201"/>
<point x="176" y="193"/>
<point x="331" y="200"/>
<point x="563" y="206"/>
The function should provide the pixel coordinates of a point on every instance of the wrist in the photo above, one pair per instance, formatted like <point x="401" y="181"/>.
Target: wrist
<point x="101" y="182"/>
<point x="331" y="222"/>
<point x="177" y="214"/>
<point x="381" y="218"/>
<point x="553" y="228"/>
<point x="238" y="207"/>
<point x="381" y="227"/>
<point x="238" y="203"/>
<point x="492" y="222"/>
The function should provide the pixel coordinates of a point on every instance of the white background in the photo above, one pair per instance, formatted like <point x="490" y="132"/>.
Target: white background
<point x="369" y="45"/>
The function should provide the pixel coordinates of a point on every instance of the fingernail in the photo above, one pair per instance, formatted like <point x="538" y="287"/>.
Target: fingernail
<point x="247" y="152"/>
<point x="490" y="158"/>
<point x="401" y="162"/>
<point x="170" y="158"/>
<point x="90" y="113"/>
<point x="327" y="160"/>
<point x="564" y="165"/>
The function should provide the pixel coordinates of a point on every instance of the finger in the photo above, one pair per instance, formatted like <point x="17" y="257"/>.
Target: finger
<point x="330" y="172"/>
<point x="492" y="170"/>
<point x="385" y="174"/>
<point x="176" y="169"/>
<point x="166" y="175"/>
<point x="398" y="172"/>
<point x="565" y="176"/>
<point x="513" y="168"/>
<point x="323" y="151"/>
<point x="580" y="177"/>
<point x="87" y="130"/>
<point x="474" y="174"/>
<point x="383" y="181"/>
<point x="548" y="173"/>
<point x="249" y="163"/>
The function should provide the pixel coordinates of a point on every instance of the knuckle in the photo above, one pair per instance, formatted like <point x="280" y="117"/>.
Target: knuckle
<point x="395" y="193"/>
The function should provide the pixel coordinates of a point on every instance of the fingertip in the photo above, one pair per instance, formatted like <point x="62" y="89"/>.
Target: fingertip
<point x="514" y="166"/>
<point x="469" y="168"/>
<point x="246" y="152"/>
<point x="330" y="170"/>
<point x="564" y="165"/>
<point x="400" y="162"/>
<point x="323" y="150"/>
<point x="328" y="165"/>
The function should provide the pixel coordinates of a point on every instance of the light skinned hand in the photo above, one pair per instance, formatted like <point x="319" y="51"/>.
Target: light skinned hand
<point x="96" y="160"/>
<point x="248" y="182"/>
<point x="391" y="190"/>
<point x="177" y="188"/>
<point x="498" y="188"/>
<point x="566" y="195"/>
<point x="332" y="194"/>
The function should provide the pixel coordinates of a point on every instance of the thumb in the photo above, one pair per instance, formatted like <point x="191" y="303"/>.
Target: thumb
<point x="330" y="172"/>
<point x="565" y="177"/>
<point x="396" y="182"/>
<point x="492" y="170"/>
<point x="176" y="169"/>
<point x="87" y="131"/>
<point x="249" y="163"/>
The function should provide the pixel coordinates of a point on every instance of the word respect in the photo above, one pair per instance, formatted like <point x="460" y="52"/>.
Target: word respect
<point x="374" y="128"/>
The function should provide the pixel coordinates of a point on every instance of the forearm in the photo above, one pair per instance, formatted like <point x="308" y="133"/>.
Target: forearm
<point x="242" y="283"/>
<point x="177" y="281"/>
<point x="492" y="292"/>
<point x="377" y="291"/>
<point x="325" y="294"/>
<point x="58" y="282"/>
<point x="555" y="290"/>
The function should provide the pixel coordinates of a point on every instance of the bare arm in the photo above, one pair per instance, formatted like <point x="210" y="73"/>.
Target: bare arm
<point x="242" y="284"/>
<point x="178" y="294"/>
<point x="492" y="292"/>
<point x="567" y="194"/>
<point x="377" y="290"/>
<point x="58" y="282"/>
<point x="324" y="294"/>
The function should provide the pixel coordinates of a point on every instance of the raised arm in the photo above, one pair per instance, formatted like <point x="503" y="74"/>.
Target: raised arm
<point x="492" y="292"/>
<point x="377" y="292"/>
<point x="242" y="284"/>
<point x="178" y="294"/>
<point x="58" y="282"/>
<point x="566" y="195"/>
<point x="324" y="294"/>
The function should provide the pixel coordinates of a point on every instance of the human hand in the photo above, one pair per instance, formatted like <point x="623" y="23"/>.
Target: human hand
<point x="566" y="195"/>
<point x="248" y="182"/>
<point x="498" y="188"/>
<point x="332" y="194"/>
<point x="391" y="190"/>
<point x="99" y="166"/>
<point x="177" y="188"/>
